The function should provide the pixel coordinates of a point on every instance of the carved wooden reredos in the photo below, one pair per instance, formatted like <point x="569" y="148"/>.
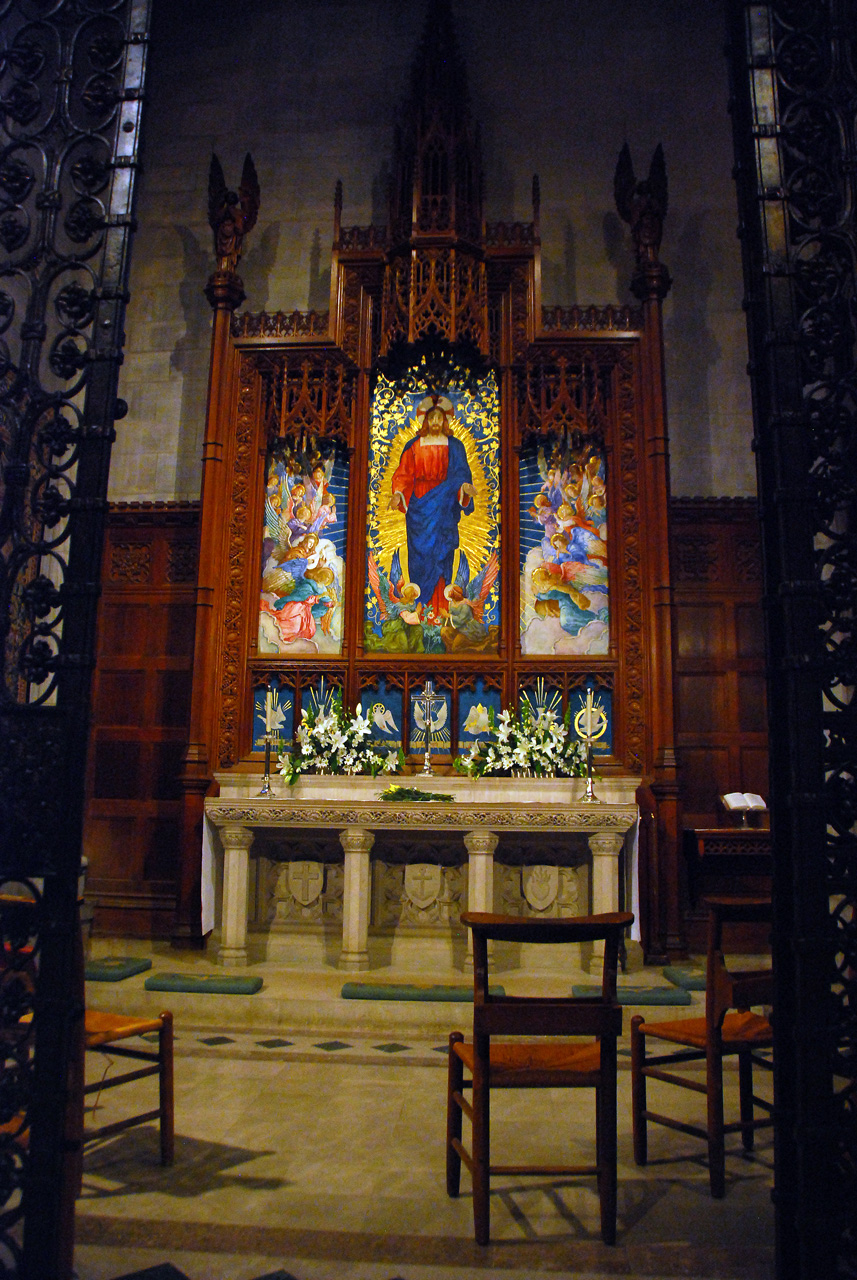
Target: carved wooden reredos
<point x="440" y="298"/>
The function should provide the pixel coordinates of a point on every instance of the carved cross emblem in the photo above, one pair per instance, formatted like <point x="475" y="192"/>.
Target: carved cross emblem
<point x="422" y="883"/>
<point x="305" y="881"/>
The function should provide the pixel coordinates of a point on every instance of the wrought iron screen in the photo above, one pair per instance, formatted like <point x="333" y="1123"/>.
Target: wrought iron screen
<point x="71" y="80"/>
<point x="795" y="105"/>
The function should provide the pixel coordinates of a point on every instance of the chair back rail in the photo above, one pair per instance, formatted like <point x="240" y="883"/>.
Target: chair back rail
<point x="590" y="1017"/>
<point x="728" y="989"/>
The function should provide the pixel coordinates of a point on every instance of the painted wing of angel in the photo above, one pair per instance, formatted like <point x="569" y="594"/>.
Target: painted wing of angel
<point x="318" y="484"/>
<point x="476" y="591"/>
<point x="466" y="598"/>
<point x="230" y="215"/>
<point x="393" y="600"/>
<point x="275" y="526"/>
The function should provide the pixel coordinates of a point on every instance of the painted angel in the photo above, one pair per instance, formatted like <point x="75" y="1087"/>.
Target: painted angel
<point x="466" y="598"/>
<point x="395" y="598"/>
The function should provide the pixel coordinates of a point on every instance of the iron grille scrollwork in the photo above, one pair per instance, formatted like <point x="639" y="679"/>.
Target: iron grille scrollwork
<point x="71" y="79"/>
<point x="795" y="102"/>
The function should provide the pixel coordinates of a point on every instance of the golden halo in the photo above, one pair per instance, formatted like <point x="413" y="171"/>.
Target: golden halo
<point x="598" y="714"/>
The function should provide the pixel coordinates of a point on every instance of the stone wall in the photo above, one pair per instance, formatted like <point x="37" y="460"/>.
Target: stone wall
<point x="311" y="89"/>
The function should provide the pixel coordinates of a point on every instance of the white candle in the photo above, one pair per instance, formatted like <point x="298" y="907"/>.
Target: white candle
<point x="269" y="711"/>
<point x="587" y="715"/>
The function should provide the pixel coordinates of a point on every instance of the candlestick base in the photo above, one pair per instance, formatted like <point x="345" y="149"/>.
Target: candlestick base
<point x="589" y="796"/>
<point x="266" y="776"/>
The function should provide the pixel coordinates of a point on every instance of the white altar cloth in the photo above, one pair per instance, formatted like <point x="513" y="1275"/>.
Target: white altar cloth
<point x="479" y="810"/>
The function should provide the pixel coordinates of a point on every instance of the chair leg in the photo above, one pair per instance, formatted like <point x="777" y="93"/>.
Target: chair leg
<point x="165" y="1089"/>
<point x="455" y="1082"/>
<point x="605" y="1136"/>
<point x="745" y="1086"/>
<point x="638" y="1090"/>
<point x="716" y="1144"/>
<point x="481" y="1152"/>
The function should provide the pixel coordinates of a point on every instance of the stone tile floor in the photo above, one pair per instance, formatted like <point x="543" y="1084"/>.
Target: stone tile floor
<point x="322" y="1153"/>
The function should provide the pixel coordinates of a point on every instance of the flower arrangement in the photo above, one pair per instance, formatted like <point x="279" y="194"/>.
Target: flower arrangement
<point x="541" y="745"/>
<point x="331" y="741"/>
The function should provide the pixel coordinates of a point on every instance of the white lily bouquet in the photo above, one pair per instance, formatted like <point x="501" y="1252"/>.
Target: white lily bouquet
<point x="331" y="741"/>
<point x="524" y="745"/>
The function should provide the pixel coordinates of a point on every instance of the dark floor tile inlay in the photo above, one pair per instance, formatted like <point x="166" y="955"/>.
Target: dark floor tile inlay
<point x="330" y="1046"/>
<point x="392" y="1048"/>
<point x="212" y="1040"/>
<point x="274" y="1044"/>
<point x="163" y="1271"/>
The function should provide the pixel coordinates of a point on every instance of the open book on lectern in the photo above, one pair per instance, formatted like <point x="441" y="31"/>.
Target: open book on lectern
<point x="742" y="800"/>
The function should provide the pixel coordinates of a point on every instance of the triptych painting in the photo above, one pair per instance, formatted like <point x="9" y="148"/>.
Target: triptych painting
<point x="431" y="568"/>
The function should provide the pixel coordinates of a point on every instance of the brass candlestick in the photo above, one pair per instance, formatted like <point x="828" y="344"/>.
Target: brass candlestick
<point x="266" y="776"/>
<point x="590" y="723"/>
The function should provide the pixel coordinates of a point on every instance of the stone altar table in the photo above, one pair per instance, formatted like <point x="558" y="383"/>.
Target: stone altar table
<point x="480" y="810"/>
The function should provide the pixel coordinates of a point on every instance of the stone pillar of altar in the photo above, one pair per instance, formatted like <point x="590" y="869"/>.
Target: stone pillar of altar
<point x="355" y="904"/>
<point x="237" y="842"/>
<point x="606" y="846"/>
<point x="480" y="847"/>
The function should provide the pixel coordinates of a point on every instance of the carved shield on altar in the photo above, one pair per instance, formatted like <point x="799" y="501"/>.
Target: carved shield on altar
<point x="422" y="883"/>
<point x="540" y="885"/>
<point x="305" y="881"/>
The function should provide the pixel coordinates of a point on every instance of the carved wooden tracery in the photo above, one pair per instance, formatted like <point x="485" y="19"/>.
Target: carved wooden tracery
<point x="438" y="288"/>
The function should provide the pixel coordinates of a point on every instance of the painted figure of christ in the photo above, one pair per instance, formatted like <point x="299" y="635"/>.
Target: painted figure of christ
<point x="433" y="486"/>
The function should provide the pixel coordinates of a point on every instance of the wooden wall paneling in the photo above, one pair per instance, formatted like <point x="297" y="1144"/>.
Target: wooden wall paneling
<point x="719" y="666"/>
<point x="140" y="709"/>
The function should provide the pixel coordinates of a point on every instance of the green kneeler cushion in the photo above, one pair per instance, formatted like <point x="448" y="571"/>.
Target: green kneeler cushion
<point x="681" y="976"/>
<point x="405" y="991"/>
<point x="639" y="995"/>
<point x="115" y="968"/>
<point x="213" y="984"/>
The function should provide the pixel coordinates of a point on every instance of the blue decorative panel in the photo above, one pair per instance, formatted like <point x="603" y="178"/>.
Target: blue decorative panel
<point x="282" y="714"/>
<point x="474" y="706"/>
<point x="602" y="702"/>
<point x="383" y="707"/>
<point x="440" y="737"/>
<point x="318" y="696"/>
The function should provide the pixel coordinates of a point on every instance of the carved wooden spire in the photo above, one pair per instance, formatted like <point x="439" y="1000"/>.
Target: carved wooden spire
<point x="435" y="284"/>
<point x="437" y="168"/>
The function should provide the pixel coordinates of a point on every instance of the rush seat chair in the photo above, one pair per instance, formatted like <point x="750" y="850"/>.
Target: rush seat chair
<point x="728" y="1027"/>
<point x="102" y="1034"/>
<point x="548" y="1062"/>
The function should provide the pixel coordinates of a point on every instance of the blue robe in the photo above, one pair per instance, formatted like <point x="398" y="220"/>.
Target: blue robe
<point x="432" y="523"/>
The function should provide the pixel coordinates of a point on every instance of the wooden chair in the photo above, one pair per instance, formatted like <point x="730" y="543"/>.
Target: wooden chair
<point x="103" y="1031"/>
<point x="536" y="1064"/>
<point x="710" y="1039"/>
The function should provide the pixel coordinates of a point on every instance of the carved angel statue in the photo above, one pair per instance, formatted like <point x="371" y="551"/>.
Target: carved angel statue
<point x="231" y="216"/>
<point x="643" y="205"/>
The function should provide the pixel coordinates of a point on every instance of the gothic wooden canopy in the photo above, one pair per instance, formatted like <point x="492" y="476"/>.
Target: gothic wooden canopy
<point x="557" y="579"/>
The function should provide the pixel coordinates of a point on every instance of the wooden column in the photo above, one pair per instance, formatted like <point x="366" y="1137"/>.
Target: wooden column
<point x="666" y="935"/>
<point x="225" y="292"/>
